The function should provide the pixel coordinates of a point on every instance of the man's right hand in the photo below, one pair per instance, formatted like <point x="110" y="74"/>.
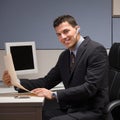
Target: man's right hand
<point x="6" y="78"/>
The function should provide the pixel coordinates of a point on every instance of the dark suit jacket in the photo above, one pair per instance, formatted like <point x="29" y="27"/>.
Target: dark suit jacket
<point x="86" y="87"/>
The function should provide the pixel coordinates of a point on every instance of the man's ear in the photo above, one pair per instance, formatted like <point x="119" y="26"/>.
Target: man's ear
<point x="77" y="27"/>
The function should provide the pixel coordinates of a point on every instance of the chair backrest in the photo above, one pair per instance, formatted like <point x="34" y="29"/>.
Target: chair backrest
<point x="114" y="77"/>
<point x="114" y="73"/>
<point x="114" y="56"/>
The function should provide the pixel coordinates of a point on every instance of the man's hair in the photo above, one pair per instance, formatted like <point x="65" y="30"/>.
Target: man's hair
<point x="65" y="18"/>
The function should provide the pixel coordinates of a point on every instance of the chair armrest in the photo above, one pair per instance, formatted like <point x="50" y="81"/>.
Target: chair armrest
<point x="112" y="105"/>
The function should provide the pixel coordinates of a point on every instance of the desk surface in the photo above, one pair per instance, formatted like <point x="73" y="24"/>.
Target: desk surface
<point x="9" y="95"/>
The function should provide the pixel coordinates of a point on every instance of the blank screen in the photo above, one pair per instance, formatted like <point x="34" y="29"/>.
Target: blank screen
<point x="22" y="57"/>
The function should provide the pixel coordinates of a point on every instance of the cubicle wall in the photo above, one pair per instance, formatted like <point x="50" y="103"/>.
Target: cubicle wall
<point x="27" y="20"/>
<point x="116" y="29"/>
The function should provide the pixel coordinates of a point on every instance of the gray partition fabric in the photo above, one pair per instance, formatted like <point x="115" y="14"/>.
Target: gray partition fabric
<point x="31" y="20"/>
<point x="116" y="29"/>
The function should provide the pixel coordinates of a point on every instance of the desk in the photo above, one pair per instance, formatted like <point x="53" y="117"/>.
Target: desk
<point x="12" y="108"/>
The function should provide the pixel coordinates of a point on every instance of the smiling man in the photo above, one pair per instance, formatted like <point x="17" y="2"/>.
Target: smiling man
<point x="86" y="85"/>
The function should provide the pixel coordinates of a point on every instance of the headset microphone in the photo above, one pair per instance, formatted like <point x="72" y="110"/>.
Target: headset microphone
<point x="78" y="29"/>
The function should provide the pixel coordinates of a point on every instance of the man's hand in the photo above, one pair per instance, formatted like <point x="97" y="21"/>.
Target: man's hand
<point x="6" y="78"/>
<point x="43" y="92"/>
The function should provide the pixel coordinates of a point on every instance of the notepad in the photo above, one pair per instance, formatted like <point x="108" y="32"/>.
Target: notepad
<point x="11" y="70"/>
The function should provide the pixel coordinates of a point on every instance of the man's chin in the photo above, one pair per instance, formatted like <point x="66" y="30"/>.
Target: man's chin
<point x="69" y="46"/>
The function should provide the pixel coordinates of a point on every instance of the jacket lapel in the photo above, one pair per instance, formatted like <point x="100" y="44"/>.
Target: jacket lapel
<point x="65" y="65"/>
<point x="79" y="54"/>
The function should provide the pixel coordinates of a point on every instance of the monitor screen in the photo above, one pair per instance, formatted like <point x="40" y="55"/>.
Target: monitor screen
<point x="23" y="56"/>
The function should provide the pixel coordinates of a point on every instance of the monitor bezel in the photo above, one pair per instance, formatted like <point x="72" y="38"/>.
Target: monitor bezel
<point x="8" y="45"/>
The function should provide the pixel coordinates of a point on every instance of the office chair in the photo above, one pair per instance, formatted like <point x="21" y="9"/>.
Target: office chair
<point x="113" y="108"/>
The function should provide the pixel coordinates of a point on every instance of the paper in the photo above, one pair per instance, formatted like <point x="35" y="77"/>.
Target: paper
<point x="10" y="67"/>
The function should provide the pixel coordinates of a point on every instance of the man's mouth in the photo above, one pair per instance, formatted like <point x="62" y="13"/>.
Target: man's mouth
<point x="67" y="41"/>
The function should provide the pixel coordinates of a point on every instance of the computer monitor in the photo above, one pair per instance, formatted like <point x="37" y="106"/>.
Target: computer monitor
<point x="24" y="56"/>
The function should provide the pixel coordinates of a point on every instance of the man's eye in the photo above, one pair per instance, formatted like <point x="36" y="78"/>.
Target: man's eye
<point x="58" y="35"/>
<point x="66" y="31"/>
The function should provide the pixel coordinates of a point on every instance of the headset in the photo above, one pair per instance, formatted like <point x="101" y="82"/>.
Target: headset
<point x="78" y="29"/>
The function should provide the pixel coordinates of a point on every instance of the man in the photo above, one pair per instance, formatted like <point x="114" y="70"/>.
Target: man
<point x="86" y="81"/>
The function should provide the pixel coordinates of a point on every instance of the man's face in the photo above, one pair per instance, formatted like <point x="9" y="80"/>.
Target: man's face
<point x="67" y="35"/>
